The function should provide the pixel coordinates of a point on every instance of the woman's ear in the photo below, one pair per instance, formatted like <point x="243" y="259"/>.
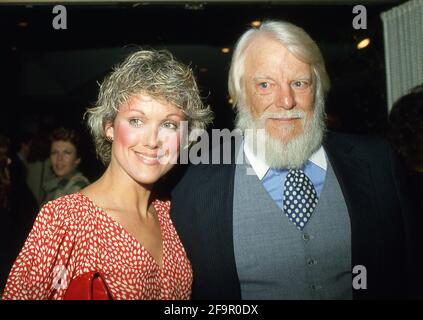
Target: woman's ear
<point x="109" y="131"/>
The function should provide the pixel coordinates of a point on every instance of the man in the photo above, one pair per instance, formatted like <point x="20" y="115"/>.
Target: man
<point x="19" y="166"/>
<point x="22" y="199"/>
<point x="16" y="207"/>
<point x="406" y="136"/>
<point x="315" y="216"/>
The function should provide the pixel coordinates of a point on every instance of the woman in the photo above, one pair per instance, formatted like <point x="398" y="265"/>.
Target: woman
<point x="115" y="226"/>
<point x="64" y="158"/>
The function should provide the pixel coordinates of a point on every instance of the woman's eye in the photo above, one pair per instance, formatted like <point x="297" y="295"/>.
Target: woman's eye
<point x="135" y="122"/>
<point x="170" y="125"/>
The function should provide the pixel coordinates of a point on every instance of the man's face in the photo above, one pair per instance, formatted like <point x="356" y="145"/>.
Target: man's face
<point x="278" y="89"/>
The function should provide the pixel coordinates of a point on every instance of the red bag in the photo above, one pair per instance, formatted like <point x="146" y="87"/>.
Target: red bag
<point x="88" y="286"/>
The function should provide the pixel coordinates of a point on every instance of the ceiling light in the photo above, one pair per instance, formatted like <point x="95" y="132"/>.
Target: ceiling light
<point x="226" y="50"/>
<point x="363" y="43"/>
<point x="23" y="24"/>
<point x="256" y="23"/>
<point x="194" y="6"/>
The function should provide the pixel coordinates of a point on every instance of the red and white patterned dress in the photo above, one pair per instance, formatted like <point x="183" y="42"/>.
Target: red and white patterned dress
<point x="72" y="236"/>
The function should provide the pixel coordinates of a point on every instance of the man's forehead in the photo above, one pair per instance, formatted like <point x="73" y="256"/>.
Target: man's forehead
<point x="266" y="51"/>
<point x="256" y="70"/>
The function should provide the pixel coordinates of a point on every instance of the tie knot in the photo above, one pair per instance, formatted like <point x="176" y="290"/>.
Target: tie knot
<point x="296" y="171"/>
<point x="296" y="175"/>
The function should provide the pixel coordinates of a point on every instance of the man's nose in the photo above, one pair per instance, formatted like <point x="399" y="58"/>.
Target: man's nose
<point x="285" y="97"/>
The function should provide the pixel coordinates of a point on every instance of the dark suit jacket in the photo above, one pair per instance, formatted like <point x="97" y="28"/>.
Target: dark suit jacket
<point x="382" y="220"/>
<point x="17" y="220"/>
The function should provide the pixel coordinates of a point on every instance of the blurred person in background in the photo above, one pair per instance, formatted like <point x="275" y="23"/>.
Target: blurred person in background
<point x="64" y="159"/>
<point x="4" y="208"/>
<point x="17" y="205"/>
<point x="406" y="136"/>
<point x="19" y="165"/>
<point x="39" y="166"/>
<point x="4" y="173"/>
<point x="23" y="201"/>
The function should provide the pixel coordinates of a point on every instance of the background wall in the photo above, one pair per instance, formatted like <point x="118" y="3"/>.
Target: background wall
<point x="49" y="77"/>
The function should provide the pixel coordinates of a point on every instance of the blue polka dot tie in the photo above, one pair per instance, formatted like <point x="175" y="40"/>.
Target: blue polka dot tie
<point x="300" y="198"/>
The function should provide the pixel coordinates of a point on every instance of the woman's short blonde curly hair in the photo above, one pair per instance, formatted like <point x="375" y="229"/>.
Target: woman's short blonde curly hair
<point x="155" y="73"/>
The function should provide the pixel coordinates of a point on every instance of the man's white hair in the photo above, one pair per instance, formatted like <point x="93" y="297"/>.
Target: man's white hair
<point x="296" y="41"/>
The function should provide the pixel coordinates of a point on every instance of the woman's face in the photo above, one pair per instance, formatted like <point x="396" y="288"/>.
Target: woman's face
<point x="63" y="157"/>
<point x="146" y="138"/>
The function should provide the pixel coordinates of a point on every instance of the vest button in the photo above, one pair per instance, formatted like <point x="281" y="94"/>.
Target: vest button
<point x="311" y="262"/>
<point x="306" y="236"/>
<point x="315" y="287"/>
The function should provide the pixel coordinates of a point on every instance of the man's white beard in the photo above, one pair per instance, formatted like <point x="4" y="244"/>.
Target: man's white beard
<point x="278" y="154"/>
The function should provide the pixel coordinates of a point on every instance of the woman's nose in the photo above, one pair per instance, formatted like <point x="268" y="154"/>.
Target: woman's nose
<point x="151" y="138"/>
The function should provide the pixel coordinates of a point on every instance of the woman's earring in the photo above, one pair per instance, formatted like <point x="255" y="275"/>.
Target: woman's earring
<point x="110" y="139"/>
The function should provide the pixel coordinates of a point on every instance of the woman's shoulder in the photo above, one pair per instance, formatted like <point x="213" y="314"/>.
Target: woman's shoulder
<point x="69" y="208"/>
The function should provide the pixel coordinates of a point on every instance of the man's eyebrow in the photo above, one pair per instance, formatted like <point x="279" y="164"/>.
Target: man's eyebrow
<point x="304" y="77"/>
<point x="262" y="78"/>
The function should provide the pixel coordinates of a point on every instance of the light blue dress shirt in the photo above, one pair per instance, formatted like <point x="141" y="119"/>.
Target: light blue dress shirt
<point x="274" y="179"/>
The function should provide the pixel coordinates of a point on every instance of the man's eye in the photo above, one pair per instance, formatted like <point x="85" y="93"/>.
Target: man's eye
<point x="300" y="84"/>
<point x="264" y="85"/>
<point x="135" y="122"/>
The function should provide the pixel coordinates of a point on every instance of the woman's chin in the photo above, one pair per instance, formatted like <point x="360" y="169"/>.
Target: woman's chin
<point x="61" y="174"/>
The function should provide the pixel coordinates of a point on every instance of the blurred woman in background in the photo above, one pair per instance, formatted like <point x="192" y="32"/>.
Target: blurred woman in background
<point x="64" y="158"/>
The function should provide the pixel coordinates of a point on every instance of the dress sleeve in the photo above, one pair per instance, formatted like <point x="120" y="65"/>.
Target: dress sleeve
<point x="42" y="268"/>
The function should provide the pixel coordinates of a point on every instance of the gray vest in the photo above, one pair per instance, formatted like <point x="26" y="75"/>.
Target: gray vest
<point x="275" y="260"/>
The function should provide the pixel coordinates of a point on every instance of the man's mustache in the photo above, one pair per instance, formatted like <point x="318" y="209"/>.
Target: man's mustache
<point x="290" y="114"/>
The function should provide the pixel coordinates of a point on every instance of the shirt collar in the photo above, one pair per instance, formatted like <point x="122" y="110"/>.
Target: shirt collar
<point x="261" y="168"/>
